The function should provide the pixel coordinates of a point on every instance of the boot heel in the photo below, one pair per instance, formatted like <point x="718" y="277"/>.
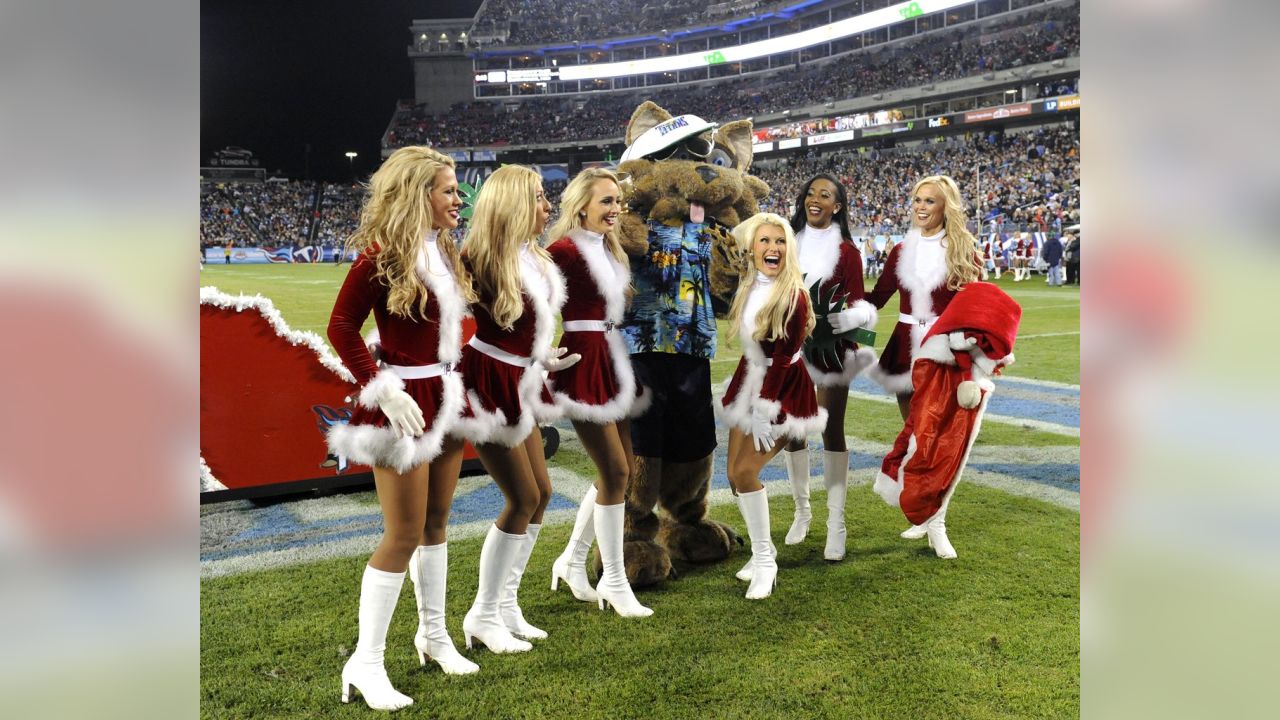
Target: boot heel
<point x="422" y="658"/>
<point x="555" y="582"/>
<point x="468" y="639"/>
<point x="346" y="691"/>
<point x="600" y="601"/>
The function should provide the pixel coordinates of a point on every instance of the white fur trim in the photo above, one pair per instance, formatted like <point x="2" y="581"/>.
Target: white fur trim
<point x="208" y="482"/>
<point x="620" y="406"/>
<point x="452" y="308"/>
<point x="545" y="310"/>
<point x="213" y="296"/>
<point x="890" y="489"/>
<point x="611" y="277"/>
<point x="918" y="282"/>
<point x="823" y="257"/>
<point x="873" y="316"/>
<point x="738" y="413"/>
<point x="382" y="385"/>
<point x="379" y="447"/>
<point x="855" y="363"/>
<point x="942" y="349"/>
<point x="894" y="383"/>
<point x="643" y="402"/>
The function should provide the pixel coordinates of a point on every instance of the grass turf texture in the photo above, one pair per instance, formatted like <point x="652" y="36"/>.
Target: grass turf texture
<point x="890" y="632"/>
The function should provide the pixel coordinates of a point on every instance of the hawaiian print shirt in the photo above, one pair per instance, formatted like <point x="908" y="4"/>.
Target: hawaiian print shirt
<point x="671" y="310"/>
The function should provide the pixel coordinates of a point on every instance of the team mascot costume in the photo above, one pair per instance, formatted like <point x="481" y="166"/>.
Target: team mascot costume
<point x="686" y="186"/>
<point x="968" y="346"/>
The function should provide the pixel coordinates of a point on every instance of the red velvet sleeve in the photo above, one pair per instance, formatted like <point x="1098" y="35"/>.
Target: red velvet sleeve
<point x="851" y="262"/>
<point x="359" y="293"/>
<point x="779" y="373"/>
<point x="887" y="285"/>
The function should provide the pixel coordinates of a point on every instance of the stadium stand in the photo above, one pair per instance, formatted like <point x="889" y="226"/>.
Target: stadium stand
<point x="1020" y="39"/>
<point x="1020" y="180"/>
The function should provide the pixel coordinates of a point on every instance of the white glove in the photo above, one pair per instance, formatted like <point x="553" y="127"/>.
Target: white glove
<point x="761" y="430"/>
<point x="558" y="361"/>
<point x="403" y="413"/>
<point x="849" y="318"/>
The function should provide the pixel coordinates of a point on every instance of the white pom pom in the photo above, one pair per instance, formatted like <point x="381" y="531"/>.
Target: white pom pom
<point x="968" y="394"/>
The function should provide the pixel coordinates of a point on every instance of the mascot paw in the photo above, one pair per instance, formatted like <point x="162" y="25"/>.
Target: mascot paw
<point x="706" y="541"/>
<point x="647" y="563"/>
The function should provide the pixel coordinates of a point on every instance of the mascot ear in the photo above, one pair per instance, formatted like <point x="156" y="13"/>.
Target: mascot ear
<point x="737" y="135"/>
<point x="646" y="116"/>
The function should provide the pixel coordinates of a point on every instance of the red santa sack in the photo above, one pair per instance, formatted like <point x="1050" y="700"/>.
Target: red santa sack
<point x="968" y="346"/>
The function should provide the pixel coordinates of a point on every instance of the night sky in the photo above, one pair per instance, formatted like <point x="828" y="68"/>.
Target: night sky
<point x="277" y="75"/>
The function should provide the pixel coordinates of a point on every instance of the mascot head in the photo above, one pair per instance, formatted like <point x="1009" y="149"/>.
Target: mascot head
<point x="685" y="169"/>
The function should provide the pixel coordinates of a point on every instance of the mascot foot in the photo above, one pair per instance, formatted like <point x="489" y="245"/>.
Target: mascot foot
<point x="701" y="542"/>
<point x="647" y="563"/>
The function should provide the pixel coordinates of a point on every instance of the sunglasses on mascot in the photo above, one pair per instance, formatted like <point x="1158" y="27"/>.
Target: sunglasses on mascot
<point x="698" y="147"/>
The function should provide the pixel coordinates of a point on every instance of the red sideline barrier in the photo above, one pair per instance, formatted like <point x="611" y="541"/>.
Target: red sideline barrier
<point x="267" y="396"/>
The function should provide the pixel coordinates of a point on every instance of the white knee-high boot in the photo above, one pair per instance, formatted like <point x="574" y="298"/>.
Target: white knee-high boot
<point x="764" y="557"/>
<point x="614" y="589"/>
<point x="510" y="606"/>
<point x="571" y="566"/>
<point x="364" y="670"/>
<point x="835" y="477"/>
<point x="798" y="474"/>
<point x="429" y="571"/>
<point x="483" y="622"/>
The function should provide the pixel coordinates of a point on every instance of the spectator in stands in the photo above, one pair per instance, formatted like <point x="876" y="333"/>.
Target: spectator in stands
<point x="1052" y="254"/>
<point x="1071" y="257"/>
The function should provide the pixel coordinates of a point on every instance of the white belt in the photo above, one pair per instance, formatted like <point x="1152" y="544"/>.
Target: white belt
<point x="499" y="354"/>
<point x="421" y="372"/>
<point x="923" y="322"/>
<point x="604" y="326"/>
<point x="768" y="362"/>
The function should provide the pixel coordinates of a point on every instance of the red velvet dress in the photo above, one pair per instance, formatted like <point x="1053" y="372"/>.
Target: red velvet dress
<point x="601" y="387"/>
<point x="505" y="397"/>
<point x="771" y="377"/>
<point x="920" y="279"/>
<point x="428" y="339"/>
<point x="826" y="257"/>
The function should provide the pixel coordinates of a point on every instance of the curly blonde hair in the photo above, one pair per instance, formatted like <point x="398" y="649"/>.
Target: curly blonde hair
<point x="963" y="265"/>
<point x="393" y="219"/>
<point x="788" y="286"/>
<point x="505" y="218"/>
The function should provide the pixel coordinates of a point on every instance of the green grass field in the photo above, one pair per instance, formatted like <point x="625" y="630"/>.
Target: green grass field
<point x="891" y="632"/>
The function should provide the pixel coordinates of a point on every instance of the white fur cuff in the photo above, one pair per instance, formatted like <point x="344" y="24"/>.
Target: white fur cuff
<point x="380" y="387"/>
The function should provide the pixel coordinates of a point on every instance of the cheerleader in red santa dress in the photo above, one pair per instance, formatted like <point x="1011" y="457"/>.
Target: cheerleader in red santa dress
<point x="599" y="393"/>
<point x="408" y="275"/>
<point x="770" y="399"/>
<point x="937" y="257"/>
<point x="518" y="291"/>
<point x="826" y="254"/>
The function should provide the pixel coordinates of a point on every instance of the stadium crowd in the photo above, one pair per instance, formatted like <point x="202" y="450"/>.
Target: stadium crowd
<point x="533" y="22"/>
<point x="1037" y="36"/>
<point x="1025" y="181"/>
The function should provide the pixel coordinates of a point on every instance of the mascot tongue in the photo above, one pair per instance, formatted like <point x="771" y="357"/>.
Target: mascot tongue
<point x="697" y="213"/>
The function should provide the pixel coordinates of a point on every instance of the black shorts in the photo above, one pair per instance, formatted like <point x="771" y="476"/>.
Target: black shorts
<point x="680" y="425"/>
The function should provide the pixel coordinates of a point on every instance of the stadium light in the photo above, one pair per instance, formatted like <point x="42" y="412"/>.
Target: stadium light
<point x="351" y="162"/>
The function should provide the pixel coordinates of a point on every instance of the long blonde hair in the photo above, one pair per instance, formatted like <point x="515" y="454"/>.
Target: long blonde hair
<point x="505" y="218"/>
<point x="962" y="247"/>
<point x="575" y="199"/>
<point x="788" y="286"/>
<point x="395" y="215"/>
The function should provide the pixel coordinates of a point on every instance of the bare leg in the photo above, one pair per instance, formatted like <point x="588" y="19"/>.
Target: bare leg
<point x="440" y="489"/>
<point x="403" y="498"/>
